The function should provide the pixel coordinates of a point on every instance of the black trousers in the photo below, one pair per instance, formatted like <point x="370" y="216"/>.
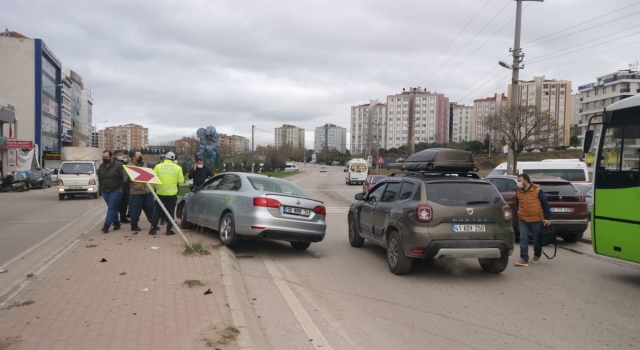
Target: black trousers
<point x="170" y="204"/>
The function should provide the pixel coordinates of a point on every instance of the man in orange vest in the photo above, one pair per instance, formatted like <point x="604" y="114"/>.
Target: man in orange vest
<point x="533" y="211"/>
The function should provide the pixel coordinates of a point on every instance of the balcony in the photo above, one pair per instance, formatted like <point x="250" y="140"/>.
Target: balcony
<point x="587" y="86"/>
<point x="621" y="77"/>
<point x="625" y="91"/>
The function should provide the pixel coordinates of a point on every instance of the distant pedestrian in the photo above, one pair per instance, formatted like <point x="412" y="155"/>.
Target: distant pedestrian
<point x="141" y="198"/>
<point x="170" y="175"/>
<point x="110" y="178"/>
<point x="533" y="211"/>
<point x="200" y="173"/>
<point x="124" y="201"/>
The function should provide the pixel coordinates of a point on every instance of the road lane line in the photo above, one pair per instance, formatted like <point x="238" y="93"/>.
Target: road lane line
<point x="300" y="179"/>
<point x="313" y="333"/>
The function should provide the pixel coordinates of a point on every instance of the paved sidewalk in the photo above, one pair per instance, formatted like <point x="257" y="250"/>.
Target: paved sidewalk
<point x="86" y="304"/>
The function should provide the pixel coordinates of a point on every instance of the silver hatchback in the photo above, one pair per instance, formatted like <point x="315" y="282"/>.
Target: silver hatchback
<point x="243" y="205"/>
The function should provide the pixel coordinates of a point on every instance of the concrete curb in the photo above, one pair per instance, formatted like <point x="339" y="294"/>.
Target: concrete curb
<point x="243" y="317"/>
<point x="586" y="240"/>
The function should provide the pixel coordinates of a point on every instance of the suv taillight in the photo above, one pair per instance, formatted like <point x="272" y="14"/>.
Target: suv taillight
<point x="320" y="210"/>
<point x="582" y="198"/>
<point x="424" y="213"/>
<point x="507" y="214"/>
<point x="266" y="202"/>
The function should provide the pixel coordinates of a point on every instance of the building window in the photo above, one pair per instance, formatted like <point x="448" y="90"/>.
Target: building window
<point x="588" y="93"/>
<point x="597" y="90"/>
<point x="614" y="87"/>
<point x="604" y="90"/>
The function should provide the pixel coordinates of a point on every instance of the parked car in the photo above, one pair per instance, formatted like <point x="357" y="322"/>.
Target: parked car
<point x="40" y="179"/>
<point x="371" y="181"/>
<point x="427" y="213"/>
<point x="586" y="189"/>
<point x="569" y="212"/>
<point x="290" y="167"/>
<point x="323" y="169"/>
<point x="244" y="205"/>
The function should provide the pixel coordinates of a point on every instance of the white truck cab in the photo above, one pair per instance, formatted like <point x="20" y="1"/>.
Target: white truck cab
<point x="77" y="178"/>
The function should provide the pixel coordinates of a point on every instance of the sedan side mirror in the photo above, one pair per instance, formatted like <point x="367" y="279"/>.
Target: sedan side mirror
<point x="360" y="196"/>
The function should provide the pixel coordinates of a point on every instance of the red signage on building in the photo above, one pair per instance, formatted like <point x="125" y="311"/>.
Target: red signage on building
<point x="18" y="144"/>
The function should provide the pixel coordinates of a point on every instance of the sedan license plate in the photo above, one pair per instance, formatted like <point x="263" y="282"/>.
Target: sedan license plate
<point x="468" y="228"/>
<point x="296" y="211"/>
<point x="75" y="187"/>
<point x="561" y="210"/>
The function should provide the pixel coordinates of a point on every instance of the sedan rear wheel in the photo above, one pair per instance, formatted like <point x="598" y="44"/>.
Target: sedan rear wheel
<point x="399" y="264"/>
<point x="354" y="237"/>
<point x="300" y="245"/>
<point x="227" y="231"/>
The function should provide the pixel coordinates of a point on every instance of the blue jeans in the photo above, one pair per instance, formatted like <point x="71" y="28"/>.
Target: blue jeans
<point x="113" y="200"/>
<point x="534" y="229"/>
<point x="139" y="203"/>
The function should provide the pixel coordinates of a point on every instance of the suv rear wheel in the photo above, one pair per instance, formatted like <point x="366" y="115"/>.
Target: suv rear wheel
<point x="572" y="238"/>
<point x="494" y="265"/>
<point x="354" y="238"/>
<point x="399" y="264"/>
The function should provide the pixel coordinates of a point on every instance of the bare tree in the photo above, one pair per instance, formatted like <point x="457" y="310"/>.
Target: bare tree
<point x="523" y="127"/>
<point x="274" y="156"/>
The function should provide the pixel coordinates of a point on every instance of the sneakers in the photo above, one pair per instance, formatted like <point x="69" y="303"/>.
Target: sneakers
<point x="521" y="262"/>
<point x="170" y="233"/>
<point x="124" y="220"/>
<point x="136" y="228"/>
<point x="535" y="260"/>
<point x="116" y="227"/>
<point x="153" y="231"/>
<point x="105" y="229"/>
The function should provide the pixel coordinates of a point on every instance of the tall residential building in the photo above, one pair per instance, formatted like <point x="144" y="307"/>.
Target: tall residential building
<point x="368" y="127"/>
<point x="95" y="138"/>
<point x="186" y="145"/>
<point x="81" y="136"/>
<point x="575" y="109"/>
<point x="606" y="90"/>
<point x="549" y="95"/>
<point x="462" y="123"/>
<point x="483" y="108"/>
<point x="67" y="125"/>
<point x="289" y="135"/>
<point x="431" y="111"/>
<point x="86" y="112"/>
<point x="332" y="136"/>
<point x="234" y="144"/>
<point x="124" y="137"/>
<point x="31" y="77"/>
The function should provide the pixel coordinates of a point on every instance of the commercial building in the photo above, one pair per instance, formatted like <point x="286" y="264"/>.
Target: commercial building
<point x="289" y="135"/>
<point x="332" y="137"/>
<point x="32" y="79"/>
<point x="462" y="123"/>
<point x="124" y="137"/>
<point x="483" y="108"/>
<point x="81" y="102"/>
<point x="368" y="131"/>
<point x="234" y="144"/>
<point x="430" y="112"/>
<point x="553" y="96"/>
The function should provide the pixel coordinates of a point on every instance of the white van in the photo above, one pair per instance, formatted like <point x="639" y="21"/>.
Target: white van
<point x="357" y="171"/>
<point x="290" y="167"/>
<point x="572" y="170"/>
<point x="77" y="178"/>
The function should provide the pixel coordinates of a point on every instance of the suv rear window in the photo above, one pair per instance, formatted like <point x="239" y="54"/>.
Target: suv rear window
<point x="457" y="194"/>
<point x="556" y="190"/>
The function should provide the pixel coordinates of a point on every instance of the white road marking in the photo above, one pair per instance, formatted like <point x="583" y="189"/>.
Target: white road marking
<point x="298" y="180"/>
<point x="318" y="341"/>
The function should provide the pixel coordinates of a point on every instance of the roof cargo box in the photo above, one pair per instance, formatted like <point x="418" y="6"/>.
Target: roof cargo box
<point x="439" y="159"/>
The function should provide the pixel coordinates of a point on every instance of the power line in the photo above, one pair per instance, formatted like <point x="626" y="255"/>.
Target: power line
<point x="468" y="42"/>
<point x="451" y="42"/>
<point x="564" y="36"/>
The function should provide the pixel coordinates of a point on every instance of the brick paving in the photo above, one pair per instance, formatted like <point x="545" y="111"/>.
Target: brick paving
<point x="86" y="304"/>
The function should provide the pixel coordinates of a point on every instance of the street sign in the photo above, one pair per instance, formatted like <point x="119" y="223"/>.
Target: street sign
<point x="139" y="174"/>
<point x="380" y="160"/>
<point x="18" y="144"/>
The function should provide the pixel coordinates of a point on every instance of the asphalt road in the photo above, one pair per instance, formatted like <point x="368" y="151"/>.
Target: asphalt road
<point x="333" y="296"/>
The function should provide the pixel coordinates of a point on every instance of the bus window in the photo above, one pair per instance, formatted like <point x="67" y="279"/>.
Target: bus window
<point x="631" y="150"/>
<point x="566" y="174"/>
<point x="610" y="152"/>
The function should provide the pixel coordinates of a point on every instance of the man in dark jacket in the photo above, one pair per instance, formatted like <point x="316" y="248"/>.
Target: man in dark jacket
<point x="141" y="198"/>
<point x="200" y="173"/>
<point x="124" y="201"/>
<point x="110" y="177"/>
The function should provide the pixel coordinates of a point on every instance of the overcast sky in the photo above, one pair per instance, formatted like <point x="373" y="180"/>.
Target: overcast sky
<point x="175" y="66"/>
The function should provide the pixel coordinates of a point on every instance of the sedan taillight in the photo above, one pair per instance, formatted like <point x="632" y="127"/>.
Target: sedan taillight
<point x="266" y="202"/>
<point x="424" y="213"/>
<point x="507" y="214"/>
<point x="320" y="210"/>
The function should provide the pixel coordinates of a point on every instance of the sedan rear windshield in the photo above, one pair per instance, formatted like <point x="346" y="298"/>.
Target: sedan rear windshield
<point x="76" y="168"/>
<point x="559" y="191"/>
<point x="457" y="194"/>
<point x="267" y="184"/>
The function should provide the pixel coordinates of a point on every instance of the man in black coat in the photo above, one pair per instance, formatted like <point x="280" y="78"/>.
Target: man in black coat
<point x="200" y="173"/>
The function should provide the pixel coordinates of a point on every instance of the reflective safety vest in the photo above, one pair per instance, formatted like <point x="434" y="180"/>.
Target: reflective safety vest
<point x="170" y="174"/>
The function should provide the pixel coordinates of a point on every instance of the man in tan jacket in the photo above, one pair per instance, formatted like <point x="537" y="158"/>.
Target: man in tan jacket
<point x="141" y="199"/>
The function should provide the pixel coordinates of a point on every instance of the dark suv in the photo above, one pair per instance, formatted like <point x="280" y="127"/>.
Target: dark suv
<point x="569" y="209"/>
<point x="429" y="211"/>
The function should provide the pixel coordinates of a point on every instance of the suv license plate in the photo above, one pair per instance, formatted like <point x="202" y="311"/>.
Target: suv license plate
<point x="561" y="210"/>
<point x="468" y="228"/>
<point x="296" y="211"/>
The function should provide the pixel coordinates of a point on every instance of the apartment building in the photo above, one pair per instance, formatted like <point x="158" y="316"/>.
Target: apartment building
<point x="289" y="135"/>
<point x="462" y="123"/>
<point x="429" y="112"/>
<point x="368" y="127"/>
<point x="124" y="137"/>
<point x="234" y="144"/>
<point x="483" y="108"/>
<point x="332" y="137"/>
<point x="575" y="109"/>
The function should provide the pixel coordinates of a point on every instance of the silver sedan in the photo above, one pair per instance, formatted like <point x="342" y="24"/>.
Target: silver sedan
<point x="244" y="205"/>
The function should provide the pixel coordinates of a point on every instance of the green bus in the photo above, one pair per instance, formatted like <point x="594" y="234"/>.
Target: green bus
<point x="615" y="215"/>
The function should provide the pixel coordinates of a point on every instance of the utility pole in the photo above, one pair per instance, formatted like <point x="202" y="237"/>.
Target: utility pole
<point x="517" y="55"/>
<point x="326" y="141"/>
<point x="411" y="120"/>
<point x="253" y="154"/>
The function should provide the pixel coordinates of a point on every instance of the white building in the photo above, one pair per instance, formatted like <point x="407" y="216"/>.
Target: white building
<point x="289" y="135"/>
<point x="483" y="108"/>
<point x="463" y="123"/>
<point x="368" y="127"/>
<point x="332" y="136"/>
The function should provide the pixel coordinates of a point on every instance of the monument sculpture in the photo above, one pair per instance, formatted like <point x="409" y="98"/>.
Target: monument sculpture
<point x="208" y="144"/>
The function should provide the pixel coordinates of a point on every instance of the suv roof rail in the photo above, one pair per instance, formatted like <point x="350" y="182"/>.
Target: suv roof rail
<point x="427" y="174"/>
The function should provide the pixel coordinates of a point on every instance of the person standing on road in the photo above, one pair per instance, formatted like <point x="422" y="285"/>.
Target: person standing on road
<point x="170" y="175"/>
<point x="110" y="177"/>
<point x="141" y="198"/>
<point x="200" y="173"/>
<point x="533" y="211"/>
<point x="124" y="201"/>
